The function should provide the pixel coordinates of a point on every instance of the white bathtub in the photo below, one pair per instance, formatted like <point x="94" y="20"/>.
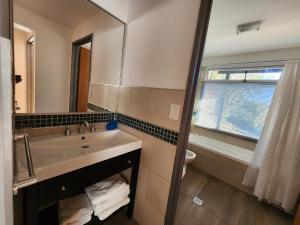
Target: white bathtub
<point x="233" y="152"/>
<point x="224" y="161"/>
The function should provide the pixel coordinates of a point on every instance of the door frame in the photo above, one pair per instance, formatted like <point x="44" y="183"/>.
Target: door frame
<point x="75" y="69"/>
<point x="190" y="94"/>
<point x="6" y="109"/>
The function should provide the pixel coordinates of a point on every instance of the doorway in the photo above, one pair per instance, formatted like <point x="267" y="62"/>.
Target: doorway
<point x="234" y="60"/>
<point x="80" y="74"/>
<point x="24" y="58"/>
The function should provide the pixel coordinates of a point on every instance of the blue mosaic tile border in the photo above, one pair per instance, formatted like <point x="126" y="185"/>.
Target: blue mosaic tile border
<point x="148" y="128"/>
<point x="53" y="120"/>
<point x="23" y="121"/>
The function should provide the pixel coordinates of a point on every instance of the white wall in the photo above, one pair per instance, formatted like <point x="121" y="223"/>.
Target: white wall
<point x="53" y="58"/>
<point x="118" y="8"/>
<point x="107" y="47"/>
<point x="274" y="55"/>
<point x="159" y="43"/>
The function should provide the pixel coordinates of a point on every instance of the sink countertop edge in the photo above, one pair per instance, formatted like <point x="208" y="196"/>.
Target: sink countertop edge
<point x="72" y="164"/>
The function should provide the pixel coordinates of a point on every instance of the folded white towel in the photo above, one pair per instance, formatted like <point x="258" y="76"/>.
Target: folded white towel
<point x="76" y="210"/>
<point x="110" y="203"/>
<point x="103" y="214"/>
<point x="107" y="190"/>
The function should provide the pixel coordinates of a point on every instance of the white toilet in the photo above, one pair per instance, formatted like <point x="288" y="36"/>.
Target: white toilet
<point x="189" y="157"/>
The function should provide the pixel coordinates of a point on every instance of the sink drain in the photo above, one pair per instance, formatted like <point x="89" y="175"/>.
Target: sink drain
<point x="85" y="146"/>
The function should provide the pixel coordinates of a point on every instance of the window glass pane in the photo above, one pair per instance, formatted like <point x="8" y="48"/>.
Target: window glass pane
<point x="238" y="108"/>
<point x="268" y="74"/>
<point x="237" y="76"/>
<point x="216" y="75"/>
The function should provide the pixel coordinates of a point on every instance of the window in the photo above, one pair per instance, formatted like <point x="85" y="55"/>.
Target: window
<point x="236" y="101"/>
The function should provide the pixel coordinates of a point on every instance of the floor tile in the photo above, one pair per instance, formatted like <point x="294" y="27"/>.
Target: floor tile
<point x="222" y="204"/>
<point x="193" y="183"/>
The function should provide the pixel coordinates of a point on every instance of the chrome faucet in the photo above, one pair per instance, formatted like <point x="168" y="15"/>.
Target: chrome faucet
<point x="83" y="125"/>
<point x="68" y="131"/>
<point x="93" y="128"/>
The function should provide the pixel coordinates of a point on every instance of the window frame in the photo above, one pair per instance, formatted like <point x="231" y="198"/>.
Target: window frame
<point x="240" y="69"/>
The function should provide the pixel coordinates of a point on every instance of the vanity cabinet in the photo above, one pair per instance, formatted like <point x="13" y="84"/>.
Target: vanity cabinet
<point x="40" y="200"/>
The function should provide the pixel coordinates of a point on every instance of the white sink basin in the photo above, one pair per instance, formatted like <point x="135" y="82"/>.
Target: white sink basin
<point x="54" y="155"/>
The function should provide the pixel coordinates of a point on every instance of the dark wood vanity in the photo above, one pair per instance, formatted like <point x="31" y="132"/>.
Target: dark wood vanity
<point x="40" y="201"/>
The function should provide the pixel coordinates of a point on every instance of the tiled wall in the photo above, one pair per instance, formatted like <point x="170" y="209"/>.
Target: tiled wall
<point x="156" y="167"/>
<point x="104" y="95"/>
<point x="150" y="104"/>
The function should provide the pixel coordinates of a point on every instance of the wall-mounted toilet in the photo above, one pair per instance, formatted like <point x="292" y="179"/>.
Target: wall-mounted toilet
<point x="189" y="157"/>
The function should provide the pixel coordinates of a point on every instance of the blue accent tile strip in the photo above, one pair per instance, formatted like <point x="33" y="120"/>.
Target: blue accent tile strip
<point x="55" y="120"/>
<point x="23" y="121"/>
<point x="148" y="128"/>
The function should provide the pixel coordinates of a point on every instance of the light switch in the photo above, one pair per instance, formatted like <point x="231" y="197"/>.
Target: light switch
<point x="174" y="112"/>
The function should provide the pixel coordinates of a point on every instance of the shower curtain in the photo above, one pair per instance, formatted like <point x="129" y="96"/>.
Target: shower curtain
<point x="274" y="172"/>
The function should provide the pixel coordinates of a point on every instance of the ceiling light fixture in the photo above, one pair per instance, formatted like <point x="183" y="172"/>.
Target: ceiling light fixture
<point x="245" y="27"/>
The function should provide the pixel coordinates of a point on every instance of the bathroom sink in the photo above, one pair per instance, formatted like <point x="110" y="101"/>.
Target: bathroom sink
<point x="53" y="155"/>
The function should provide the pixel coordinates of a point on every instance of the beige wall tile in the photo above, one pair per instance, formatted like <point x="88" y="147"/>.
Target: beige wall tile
<point x="152" y="189"/>
<point x="145" y="214"/>
<point x="157" y="192"/>
<point x="162" y="158"/>
<point x="154" y="180"/>
<point x="151" y="104"/>
<point x="104" y="95"/>
<point x="157" y="159"/>
<point x="157" y="155"/>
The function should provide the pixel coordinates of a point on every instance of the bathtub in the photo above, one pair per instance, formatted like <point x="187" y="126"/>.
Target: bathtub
<point x="221" y="160"/>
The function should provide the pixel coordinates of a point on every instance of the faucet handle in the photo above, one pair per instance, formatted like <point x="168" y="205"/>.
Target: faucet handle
<point x="93" y="128"/>
<point x="68" y="131"/>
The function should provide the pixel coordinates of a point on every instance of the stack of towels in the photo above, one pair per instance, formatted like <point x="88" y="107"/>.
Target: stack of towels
<point x="102" y="199"/>
<point x="76" y="210"/>
<point x="108" y="196"/>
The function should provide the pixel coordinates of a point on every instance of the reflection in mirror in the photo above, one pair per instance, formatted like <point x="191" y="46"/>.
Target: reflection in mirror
<point x="67" y="57"/>
<point x="80" y="77"/>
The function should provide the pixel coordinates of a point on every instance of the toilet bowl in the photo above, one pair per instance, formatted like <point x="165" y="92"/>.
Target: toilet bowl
<point x="189" y="157"/>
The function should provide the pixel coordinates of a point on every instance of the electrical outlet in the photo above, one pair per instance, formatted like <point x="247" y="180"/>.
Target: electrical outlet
<point x="174" y="112"/>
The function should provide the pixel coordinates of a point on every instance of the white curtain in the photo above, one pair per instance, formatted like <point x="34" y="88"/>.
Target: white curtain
<point x="275" y="168"/>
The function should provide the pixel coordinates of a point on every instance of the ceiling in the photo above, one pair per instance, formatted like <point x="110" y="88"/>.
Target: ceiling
<point x="280" y="28"/>
<point x="67" y="12"/>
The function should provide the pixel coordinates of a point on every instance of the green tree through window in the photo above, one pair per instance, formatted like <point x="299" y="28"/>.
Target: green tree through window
<point x="236" y="101"/>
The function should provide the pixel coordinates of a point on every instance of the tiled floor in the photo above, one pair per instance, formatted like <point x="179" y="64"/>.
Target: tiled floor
<point x="223" y="204"/>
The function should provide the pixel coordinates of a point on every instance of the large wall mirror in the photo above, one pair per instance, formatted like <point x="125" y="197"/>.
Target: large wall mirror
<point x="67" y="57"/>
